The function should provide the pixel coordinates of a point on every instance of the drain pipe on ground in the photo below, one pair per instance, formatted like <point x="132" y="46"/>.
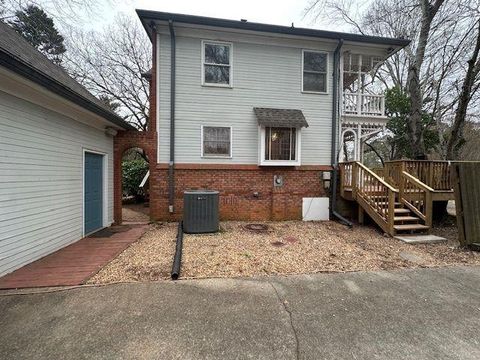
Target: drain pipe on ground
<point x="171" y="171"/>
<point x="177" y="259"/>
<point x="334" y="155"/>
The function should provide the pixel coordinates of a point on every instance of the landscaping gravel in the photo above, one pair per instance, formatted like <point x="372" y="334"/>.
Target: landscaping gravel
<point x="290" y="247"/>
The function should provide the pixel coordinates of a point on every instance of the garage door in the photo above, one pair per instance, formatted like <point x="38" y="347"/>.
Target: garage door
<point x="93" y="192"/>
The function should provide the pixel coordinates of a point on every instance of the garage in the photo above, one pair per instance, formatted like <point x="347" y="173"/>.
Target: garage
<point x="56" y="156"/>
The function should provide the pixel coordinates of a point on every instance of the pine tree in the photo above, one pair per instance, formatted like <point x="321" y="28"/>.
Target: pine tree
<point x="39" y="30"/>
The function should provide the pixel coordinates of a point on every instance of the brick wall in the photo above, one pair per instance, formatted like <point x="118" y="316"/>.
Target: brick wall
<point x="246" y="192"/>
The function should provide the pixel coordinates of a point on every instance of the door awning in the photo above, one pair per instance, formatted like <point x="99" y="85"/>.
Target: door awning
<point x="286" y="118"/>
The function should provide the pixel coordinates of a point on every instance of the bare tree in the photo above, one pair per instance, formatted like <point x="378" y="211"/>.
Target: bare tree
<point x="430" y="68"/>
<point x="456" y="139"/>
<point x="415" y="128"/>
<point x="63" y="11"/>
<point x="110" y="64"/>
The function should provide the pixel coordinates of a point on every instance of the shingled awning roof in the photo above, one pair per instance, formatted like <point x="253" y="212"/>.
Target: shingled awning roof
<point x="287" y="118"/>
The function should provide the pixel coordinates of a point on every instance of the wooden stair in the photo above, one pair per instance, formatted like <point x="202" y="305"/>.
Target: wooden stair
<point x="407" y="222"/>
<point x="406" y="210"/>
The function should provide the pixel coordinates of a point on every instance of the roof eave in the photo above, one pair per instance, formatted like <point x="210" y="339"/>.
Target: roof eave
<point x="146" y="15"/>
<point x="25" y="70"/>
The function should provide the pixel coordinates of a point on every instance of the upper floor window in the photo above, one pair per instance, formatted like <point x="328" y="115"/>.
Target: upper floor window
<point x="216" y="63"/>
<point x="314" y="71"/>
<point x="216" y="141"/>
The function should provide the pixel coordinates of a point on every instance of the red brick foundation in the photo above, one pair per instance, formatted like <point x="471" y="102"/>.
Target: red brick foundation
<point x="245" y="194"/>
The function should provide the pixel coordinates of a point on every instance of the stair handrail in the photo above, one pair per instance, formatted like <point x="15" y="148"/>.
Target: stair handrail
<point x="383" y="211"/>
<point x="423" y="205"/>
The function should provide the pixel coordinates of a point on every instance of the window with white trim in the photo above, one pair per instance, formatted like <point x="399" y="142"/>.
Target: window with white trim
<point x="216" y="141"/>
<point x="216" y="63"/>
<point x="280" y="146"/>
<point x="314" y="71"/>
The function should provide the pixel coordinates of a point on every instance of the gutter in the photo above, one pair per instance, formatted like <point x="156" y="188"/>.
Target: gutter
<point x="145" y="15"/>
<point x="21" y="68"/>
<point x="334" y="155"/>
<point x="171" y="171"/>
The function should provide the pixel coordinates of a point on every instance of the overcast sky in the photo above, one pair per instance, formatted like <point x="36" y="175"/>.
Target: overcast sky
<point x="280" y="12"/>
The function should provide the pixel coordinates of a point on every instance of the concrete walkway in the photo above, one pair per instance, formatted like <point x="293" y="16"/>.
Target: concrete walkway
<point x="76" y="263"/>
<point x="409" y="314"/>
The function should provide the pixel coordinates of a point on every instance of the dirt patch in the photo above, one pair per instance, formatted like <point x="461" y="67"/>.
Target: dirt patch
<point x="307" y="247"/>
<point x="135" y="213"/>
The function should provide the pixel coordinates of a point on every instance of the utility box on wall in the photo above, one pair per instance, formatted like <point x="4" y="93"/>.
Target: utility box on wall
<point x="200" y="211"/>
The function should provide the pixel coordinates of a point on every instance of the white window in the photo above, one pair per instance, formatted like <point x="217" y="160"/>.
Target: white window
<point x="314" y="71"/>
<point x="280" y="146"/>
<point x="216" y="141"/>
<point x="216" y="63"/>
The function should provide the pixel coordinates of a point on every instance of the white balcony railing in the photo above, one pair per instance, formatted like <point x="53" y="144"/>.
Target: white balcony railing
<point x="363" y="104"/>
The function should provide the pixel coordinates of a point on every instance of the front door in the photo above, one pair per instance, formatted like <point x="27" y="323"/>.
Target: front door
<point x="93" y="192"/>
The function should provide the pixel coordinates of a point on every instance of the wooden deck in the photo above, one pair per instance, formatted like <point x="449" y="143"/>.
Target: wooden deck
<point x="76" y="263"/>
<point x="403" y="187"/>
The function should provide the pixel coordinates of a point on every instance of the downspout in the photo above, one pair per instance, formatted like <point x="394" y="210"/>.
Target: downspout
<point x="334" y="155"/>
<point x="171" y="171"/>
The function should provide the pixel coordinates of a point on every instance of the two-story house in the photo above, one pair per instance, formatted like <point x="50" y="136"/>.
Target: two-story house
<point x="258" y="112"/>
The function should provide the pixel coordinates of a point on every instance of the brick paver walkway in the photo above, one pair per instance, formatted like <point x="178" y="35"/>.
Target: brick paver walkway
<point x="76" y="263"/>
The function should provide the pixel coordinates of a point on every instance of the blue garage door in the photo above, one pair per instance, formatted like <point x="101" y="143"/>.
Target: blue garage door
<point x="93" y="192"/>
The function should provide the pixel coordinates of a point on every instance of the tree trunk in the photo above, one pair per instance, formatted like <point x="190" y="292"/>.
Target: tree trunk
<point x="414" y="125"/>
<point x="456" y="135"/>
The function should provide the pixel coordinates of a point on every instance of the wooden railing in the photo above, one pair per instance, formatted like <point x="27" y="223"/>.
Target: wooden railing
<point x="346" y="175"/>
<point x="378" y="171"/>
<point x="435" y="174"/>
<point x="363" y="104"/>
<point x="417" y="196"/>
<point x="373" y="194"/>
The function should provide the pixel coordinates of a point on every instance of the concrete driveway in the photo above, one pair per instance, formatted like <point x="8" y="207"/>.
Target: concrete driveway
<point x="411" y="314"/>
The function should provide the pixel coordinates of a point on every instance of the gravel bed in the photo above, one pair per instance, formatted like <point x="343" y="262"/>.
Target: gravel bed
<point x="290" y="247"/>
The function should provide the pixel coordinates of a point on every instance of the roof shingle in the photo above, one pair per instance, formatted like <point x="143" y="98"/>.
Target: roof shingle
<point x="287" y="118"/>
<point x="15" y="49"/>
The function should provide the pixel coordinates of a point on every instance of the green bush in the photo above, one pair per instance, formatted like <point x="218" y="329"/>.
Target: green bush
<point x="133" y="172"/>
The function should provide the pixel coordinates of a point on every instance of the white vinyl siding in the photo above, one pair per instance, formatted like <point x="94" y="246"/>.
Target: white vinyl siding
<point x="265" y="76"/>
<point x="41" y="180"/>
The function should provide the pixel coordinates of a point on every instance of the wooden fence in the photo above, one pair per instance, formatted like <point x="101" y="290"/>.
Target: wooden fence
<point x="466" y="181"/>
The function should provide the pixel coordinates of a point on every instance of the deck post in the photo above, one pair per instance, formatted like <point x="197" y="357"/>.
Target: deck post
<point x="361" y="215"/>
<point x="401" y="187"/>
<point x="428" y="210"/>
<point x="354" y="180"/>
<point x="391" y="212"/>
<point x="341" y="167"/>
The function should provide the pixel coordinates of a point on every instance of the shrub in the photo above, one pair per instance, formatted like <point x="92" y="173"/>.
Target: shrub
<point x="133" y="172"/>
